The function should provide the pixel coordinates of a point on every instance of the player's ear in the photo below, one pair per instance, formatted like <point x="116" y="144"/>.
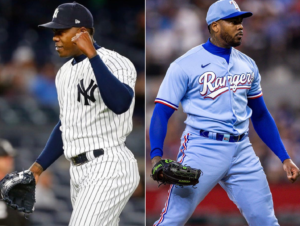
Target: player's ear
<point x="215" y="27"/>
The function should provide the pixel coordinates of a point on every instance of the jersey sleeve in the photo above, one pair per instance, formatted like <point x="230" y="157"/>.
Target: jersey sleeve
<point x="123" y="69"/>
<point x="58" y="89"/>
<point x="173" y="87"/>
<point x="255" y="90"/>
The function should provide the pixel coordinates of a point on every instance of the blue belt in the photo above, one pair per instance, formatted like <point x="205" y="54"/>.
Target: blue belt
<point x="222" y="137"/>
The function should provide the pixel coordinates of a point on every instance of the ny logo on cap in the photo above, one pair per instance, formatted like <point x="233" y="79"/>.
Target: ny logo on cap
<point x="77" y="21"/>
<point x="235" y="5"/>
<point x="55" y="13"/>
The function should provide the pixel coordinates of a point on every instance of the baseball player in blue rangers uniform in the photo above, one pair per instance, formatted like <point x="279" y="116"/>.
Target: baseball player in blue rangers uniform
<point x="219" y="89"/>
<point x="96" y="99"/>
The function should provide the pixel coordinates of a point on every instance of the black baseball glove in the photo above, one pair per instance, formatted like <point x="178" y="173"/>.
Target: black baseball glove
<point x="167" y="171"/>
<point x="18" y="191"/>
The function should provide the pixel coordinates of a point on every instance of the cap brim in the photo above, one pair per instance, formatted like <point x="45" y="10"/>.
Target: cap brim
<point x="53" y="25"/>
<point x="236" y="14"/>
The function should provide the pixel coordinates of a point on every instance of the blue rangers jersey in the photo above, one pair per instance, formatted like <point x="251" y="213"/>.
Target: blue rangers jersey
<point x="213" y="93"/>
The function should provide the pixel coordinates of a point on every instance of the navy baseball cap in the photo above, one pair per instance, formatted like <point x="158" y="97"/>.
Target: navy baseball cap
<point x="224" y="9"/>
<point x="70" y="15"/>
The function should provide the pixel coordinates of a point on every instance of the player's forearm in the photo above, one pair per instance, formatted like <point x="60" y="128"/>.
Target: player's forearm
<point x="116" y="95"/>
<point x="266" y="129"/>
<point x="268" y="132"/>
<point x="53" y="149"/>
<point x="158" y="128"/>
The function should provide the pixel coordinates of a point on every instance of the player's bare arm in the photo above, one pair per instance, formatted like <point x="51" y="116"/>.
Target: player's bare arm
<point x="292" y="171"/>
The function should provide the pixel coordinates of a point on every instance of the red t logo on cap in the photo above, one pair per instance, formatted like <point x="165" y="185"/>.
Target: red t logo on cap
<point x="235" y="4"/>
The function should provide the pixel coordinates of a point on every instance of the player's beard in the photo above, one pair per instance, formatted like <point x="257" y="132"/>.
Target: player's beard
<point x="231" y="41"/>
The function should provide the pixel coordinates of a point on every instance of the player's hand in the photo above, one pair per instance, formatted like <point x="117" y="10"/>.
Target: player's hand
<point x="155" y="160"/>
<point x="292" y="171"/>
<point x="84" y="43"/>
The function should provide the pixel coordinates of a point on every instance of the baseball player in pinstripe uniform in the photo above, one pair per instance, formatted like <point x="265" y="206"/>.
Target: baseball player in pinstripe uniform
<point x="95" y="92"/>
<point x="219" y="89"/>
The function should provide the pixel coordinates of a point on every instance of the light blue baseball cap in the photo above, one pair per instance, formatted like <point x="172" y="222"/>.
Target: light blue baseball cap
<point x="224" y="9"/>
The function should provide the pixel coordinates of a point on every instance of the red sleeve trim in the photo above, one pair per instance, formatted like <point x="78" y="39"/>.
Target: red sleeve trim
<point x="164" y="103"/>
<point x="257" y="96"/>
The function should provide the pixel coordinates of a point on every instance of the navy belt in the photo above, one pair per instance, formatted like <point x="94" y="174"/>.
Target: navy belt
<point x="82" y="158"/>
<point x="221" y="137"/>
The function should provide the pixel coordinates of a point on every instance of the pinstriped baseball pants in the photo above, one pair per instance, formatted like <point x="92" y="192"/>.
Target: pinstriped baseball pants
<point x="101" y="187"/>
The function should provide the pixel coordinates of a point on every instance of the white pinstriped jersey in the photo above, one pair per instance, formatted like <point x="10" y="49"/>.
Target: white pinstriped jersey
<point x="86" y="122"/>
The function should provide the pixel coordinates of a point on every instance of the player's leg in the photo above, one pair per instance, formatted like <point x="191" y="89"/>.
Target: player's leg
<point x="247" y="187"/>
<point x="127" y="183"/>
<point x="76" y="174"/>
<point x="209" y="156"/>
<point x="106" y="186"/>
<point x="74" y="192"/>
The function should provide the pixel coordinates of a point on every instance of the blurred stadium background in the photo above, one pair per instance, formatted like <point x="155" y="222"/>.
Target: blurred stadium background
<point x="28" y="99"/>
<point x="272" y="39"/>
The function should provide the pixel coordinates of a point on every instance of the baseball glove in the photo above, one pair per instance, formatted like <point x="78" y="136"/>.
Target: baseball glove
<point x="18" y="191"/>
<point x="175" y="173"/>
